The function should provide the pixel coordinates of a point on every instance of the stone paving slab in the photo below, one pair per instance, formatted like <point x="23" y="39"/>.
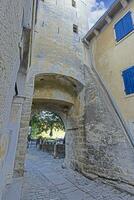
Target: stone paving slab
<point x="13" y="190"/>
<point x="45" y="179"/>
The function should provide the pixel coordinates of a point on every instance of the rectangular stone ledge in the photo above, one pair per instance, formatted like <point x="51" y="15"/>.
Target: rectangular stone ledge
<point x="27" y="117"/>
<point x="23" y="132"/>
<point x="22" y="146"/>
<point x="22" y="141"/>
<point x="27" y="104"/>
<point x="26" y="107"/>
<point x="18" y="99"/>
<point x="20" y="155"/>
<point x="24" y="124"/>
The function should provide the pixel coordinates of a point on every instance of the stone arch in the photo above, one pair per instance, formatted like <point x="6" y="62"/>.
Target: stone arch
<point x="63" y="95"/>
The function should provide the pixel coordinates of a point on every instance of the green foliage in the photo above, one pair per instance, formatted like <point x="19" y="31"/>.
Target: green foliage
<point x="45" y="121"/>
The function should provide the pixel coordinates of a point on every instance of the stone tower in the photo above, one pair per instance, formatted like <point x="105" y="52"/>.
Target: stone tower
<point x="57" y="45"/>
<point x="57" y="74"/>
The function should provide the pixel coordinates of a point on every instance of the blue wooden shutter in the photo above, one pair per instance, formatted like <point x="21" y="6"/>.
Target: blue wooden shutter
<point x="128" y="23"/>
<point x="119" y="30"/>
<point x="124" y="26"/>
<point x="128" y="77"/>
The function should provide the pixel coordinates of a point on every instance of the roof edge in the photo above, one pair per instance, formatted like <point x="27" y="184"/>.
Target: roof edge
<point x="92" y="32"/>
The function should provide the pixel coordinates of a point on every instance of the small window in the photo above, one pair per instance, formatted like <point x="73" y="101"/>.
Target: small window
<point x="124" y="26"/>
<point x="74" y="3"/>
<point x="128" y="78"/>
<point x="75" y="28"/>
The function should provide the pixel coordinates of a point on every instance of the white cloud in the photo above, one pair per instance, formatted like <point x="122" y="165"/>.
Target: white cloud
<point x="96" y="10"/>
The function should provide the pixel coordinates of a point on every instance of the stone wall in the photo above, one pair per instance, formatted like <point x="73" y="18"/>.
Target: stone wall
<point x="11" y="56"/>
<point x="110" y="153"/>
<point x="55" y="51"/>
<point x="110" y="58"/>
<point x="22" y="138"/>
<point x="96" y="140"/>
<point x="57" y="65"/>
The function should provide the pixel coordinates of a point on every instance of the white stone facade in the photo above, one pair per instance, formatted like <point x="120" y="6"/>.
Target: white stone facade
<point x="15" y="26"/>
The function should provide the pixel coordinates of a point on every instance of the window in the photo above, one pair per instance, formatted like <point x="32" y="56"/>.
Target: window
<point x="128" y="78"/>
<point x="124" y="26"/>
<point x="75" y="28"/>
<point x="74" y="3"/>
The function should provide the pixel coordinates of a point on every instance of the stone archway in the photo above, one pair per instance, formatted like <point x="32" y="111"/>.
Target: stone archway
<point x="61" y="94"/>
<point x="93" y="127"/>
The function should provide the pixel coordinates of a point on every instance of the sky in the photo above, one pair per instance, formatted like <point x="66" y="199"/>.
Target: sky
<point x="97" y="9"/>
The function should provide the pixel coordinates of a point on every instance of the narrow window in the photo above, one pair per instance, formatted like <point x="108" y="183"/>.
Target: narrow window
<point x="74" y="3"/>
<point x="75" y="28"/>
<point x="16" y="89"/>
<point x="124" y="26"/>
<point x="128" y="78"/>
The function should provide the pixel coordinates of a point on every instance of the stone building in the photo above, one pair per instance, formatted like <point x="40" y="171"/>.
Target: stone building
<point x="57" y="72"/>
<point x="60" y="80"/>
<point x="109" y="55"/>
<point x="16" y="19"/>
<point x="112" y="55"/>
<point x="60" y="76"/>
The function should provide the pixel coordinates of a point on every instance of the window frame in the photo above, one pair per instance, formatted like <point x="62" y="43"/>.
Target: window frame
<point x="74" y="3"/>
<point x="132" y="16"/>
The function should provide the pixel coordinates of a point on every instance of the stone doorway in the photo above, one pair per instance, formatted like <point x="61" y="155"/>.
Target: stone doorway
<point x="64" y="96"/>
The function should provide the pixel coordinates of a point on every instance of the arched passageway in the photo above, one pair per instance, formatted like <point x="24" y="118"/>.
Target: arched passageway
<point x="58" y="79"/>
<point x="62" y="95"/>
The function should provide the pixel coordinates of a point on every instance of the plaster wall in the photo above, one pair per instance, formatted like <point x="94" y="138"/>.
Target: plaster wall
<point x="11" y="26"/>
<point x="109" y="151"/>
<point x="109" y="144"/>
<point x="14" y="126"/>
<point x="110" y="58"/>
<point x="57" y="49"/>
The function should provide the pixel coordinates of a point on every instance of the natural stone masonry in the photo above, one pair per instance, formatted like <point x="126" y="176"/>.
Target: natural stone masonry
<point x="22" y="143"/>
<point x="57" y="71"/>
<point x="109" y="152"/>
<point x="45" y="179"/>
<point x="96" y="141"/>
<point x="14" y="125"/>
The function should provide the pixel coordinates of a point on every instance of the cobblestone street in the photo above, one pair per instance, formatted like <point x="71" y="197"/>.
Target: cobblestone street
<point x="45" y="179"/>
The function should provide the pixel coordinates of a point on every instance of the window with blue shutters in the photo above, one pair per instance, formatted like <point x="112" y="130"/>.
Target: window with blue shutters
<point x="124" y="26"/>
<point x="128" y="78"/>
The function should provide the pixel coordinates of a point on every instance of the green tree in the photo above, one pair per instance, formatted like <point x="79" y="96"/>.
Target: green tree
<point x="52" y="121"/>
<point x="46" y="121"/>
